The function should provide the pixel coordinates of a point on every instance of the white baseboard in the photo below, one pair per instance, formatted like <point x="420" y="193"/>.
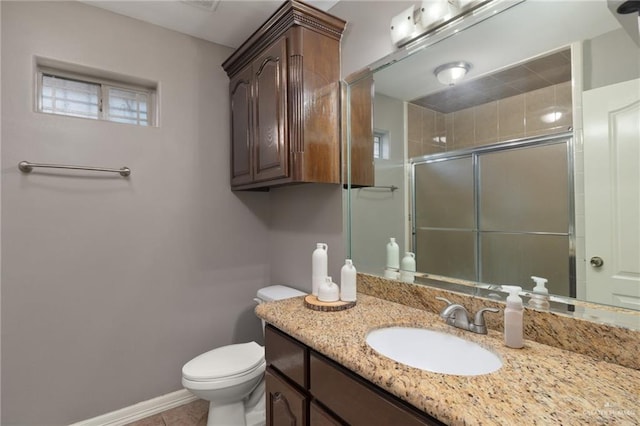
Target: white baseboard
<point x="141" y="410"/>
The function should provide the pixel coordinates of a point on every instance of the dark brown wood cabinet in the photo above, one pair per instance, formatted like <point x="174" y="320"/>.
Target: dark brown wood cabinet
<point x="359" y="155"/>
<point x="306" y="388"/>
<point x="285" y="100"/>
<point x="286" y="406"/>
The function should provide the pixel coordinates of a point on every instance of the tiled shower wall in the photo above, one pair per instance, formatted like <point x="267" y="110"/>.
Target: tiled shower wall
<point x="539" y="112"/>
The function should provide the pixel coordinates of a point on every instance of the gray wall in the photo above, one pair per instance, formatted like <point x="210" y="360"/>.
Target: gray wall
<point x="301" y="216"/>
<point x="110" y="285"/>
<point x="120" y="282"/>
<point x="610" y="58"/>
<point x="367" y="37"/>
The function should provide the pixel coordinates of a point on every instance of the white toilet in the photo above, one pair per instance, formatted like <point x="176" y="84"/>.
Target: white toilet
<point x="231" y="377"/>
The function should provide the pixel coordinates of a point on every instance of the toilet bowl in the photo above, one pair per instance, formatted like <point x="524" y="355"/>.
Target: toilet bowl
<point x="231" y="377"/>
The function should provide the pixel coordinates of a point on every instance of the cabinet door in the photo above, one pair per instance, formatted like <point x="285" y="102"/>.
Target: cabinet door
<point x="356" y="401"/>
<point x="360" y="97"/>
<point x="271" y="147"/>
<point x="285" y="405"/>
<point x="319" y="417"/>
<point x="240" y="94"/>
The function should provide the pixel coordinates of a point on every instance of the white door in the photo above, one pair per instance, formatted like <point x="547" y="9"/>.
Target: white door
<point x="612" y="193"/>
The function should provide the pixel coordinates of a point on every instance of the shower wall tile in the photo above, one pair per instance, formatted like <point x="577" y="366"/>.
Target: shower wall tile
<point x="414" y="120"/>
<point x="441" y="130"/>
<point x="449" y="131"/>
<point x="464" y="125"/>
<point x="431" y="132"/>
<point x="428" y="125"/>
<point x="539" y="111"/>
<point x="486" y="123"/>
<point x="563" y="101"/>
<point x="414" y="148"/>
<point x="511" y="118"/>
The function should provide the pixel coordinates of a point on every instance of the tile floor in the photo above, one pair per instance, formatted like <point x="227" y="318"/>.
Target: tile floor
<point x="192" y="414"/>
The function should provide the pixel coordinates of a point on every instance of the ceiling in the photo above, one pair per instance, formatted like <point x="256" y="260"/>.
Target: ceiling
<point x="533" y="27"/>
<point x="225" y="22"/>
<point x="535" y="74"/>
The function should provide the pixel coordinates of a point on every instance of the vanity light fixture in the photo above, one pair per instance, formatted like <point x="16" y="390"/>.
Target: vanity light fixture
<point x="452" y="73"/>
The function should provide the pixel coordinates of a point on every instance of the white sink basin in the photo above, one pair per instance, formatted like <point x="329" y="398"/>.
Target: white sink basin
<point x="433" y="351"/>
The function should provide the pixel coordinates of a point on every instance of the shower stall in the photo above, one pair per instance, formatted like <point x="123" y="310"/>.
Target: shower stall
<point x="497" y="214"/>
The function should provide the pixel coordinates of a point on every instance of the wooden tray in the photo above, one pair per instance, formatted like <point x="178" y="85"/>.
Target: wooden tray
<point x="312" y="302"/>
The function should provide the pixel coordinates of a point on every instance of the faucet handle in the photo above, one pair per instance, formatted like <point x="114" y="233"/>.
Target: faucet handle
<point x="479" y="319"/>
<point x="449" y="302"/>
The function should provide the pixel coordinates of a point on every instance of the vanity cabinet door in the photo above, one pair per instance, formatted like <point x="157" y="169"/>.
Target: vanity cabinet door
<point x="356" y="401"/>
<point x="318" y="416"/>
<point x="285" y="405"/>
<point x="271" y="147"/>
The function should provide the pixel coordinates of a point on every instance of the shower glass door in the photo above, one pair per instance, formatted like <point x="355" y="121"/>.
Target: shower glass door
<point x="497" y="215"/>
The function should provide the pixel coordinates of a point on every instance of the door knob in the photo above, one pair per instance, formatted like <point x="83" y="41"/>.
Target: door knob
<point x="596" y="262"/>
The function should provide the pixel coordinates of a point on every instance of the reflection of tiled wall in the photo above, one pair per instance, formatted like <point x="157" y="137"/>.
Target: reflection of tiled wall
<point x="543" y="111"/>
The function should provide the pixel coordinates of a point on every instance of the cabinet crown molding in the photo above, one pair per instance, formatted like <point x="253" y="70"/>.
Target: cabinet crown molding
<point x="291" y="13"/>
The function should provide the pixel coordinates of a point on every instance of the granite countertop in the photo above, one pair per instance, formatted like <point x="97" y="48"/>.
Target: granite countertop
<point x="537" y="384"/>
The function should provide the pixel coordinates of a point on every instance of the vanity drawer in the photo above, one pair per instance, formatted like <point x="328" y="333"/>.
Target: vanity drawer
<point x="287" y="355"/>
<point x="356" y="401"/>
<point x="285" y="404"/>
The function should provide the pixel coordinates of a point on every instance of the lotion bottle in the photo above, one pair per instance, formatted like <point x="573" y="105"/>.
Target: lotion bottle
<point x="513" y="324"/>
<point x="319" y="268"/>
<point x="393" y="254"/>
<point x="348" y="282"/>
<point x="540" y="296"/>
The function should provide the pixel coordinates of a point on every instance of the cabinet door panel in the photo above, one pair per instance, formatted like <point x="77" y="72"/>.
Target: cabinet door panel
<point x="240" y="94"/>
<point x="319" y="417"/>
<point x="285" y="405"/>
<point x="355" y="401"/>
<point x="271" y="148"/>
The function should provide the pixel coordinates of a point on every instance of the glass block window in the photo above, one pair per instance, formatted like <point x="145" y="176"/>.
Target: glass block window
<point x="83" y="96"/>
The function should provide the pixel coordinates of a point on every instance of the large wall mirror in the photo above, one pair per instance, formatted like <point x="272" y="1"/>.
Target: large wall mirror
<point x="529" y="166"/>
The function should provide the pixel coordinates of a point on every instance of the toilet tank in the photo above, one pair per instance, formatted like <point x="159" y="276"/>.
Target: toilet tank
<point x="276" y="292"/>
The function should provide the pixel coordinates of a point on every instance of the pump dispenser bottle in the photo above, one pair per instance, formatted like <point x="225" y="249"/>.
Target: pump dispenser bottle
<point x="540" y="296"/>
<point x="513" y="324"/>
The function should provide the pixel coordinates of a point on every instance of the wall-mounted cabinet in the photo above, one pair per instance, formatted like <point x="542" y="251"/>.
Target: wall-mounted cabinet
<point x="285" y="100"/>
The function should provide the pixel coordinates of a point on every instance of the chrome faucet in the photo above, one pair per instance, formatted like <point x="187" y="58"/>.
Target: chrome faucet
<point x="457" y="315"/>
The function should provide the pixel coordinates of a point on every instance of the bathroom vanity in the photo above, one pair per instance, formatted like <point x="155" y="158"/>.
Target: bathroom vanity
<point x="298" y="377"/>
<point x="320" y="370"/>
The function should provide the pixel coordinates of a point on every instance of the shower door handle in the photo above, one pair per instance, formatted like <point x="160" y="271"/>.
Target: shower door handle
<point x="596" y="262"/>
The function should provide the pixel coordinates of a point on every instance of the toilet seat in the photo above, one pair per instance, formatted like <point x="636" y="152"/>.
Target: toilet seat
<point x="225" y="366"/>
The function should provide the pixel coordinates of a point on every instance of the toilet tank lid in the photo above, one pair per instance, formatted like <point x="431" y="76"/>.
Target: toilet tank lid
<point x="278" y="292"/>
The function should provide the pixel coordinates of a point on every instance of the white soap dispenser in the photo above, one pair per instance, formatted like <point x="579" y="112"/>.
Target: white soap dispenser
<point x="319" y="268"/>
<point x="348" y="282"/>
<point x="513" y="323"/>
<point x="540" y="296"/>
